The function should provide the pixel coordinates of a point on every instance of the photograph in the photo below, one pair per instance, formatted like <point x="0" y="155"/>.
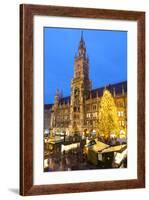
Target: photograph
<point x="82" y="99"/>
<point x="85" y="99"/>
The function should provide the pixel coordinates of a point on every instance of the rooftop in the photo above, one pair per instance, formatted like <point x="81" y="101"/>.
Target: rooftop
<point x="115" y="89"/>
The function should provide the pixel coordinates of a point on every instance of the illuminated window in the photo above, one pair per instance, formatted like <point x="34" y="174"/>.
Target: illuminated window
<point x="94" y="107"/>
<point x="94" y="123"/>
<point x="95" y="114"/>
<point x="88" y="115"/>
<point x="120" y="113"/>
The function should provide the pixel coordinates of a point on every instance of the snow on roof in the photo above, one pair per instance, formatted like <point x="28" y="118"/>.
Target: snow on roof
<point x="99" y="146"/>
<point x="118" y="148"/>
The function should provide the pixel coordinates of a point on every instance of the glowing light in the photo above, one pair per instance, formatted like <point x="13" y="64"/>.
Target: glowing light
<point x="108" y="119"/>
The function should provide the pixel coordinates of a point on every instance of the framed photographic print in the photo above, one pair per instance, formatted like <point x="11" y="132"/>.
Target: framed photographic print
<point x="82" y="99"/>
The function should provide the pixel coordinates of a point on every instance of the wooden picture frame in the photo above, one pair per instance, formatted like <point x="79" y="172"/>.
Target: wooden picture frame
<point x="27" y="12"/>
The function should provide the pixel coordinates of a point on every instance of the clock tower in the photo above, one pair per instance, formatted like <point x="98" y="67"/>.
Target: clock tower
<point x="80" y="88"/>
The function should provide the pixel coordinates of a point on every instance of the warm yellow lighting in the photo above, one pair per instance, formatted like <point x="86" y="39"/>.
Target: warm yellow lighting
<point x="108" y="119"/>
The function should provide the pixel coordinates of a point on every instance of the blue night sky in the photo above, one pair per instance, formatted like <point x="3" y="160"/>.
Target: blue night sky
<point x="107" y="51"/>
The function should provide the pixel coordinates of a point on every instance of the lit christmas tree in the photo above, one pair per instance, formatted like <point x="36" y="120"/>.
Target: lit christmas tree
<point x="108" y="119"/>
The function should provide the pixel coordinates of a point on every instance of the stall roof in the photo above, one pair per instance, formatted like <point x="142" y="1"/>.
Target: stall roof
<point x="99" y="146"/>
<point x="118" y="148"/>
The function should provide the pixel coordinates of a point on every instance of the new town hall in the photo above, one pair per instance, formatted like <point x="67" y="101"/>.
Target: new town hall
<point x="79" y="112"/>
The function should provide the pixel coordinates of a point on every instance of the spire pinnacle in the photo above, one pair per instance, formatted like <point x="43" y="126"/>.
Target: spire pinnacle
<point x="82" y="48"/>
<point x="56" y="97"/>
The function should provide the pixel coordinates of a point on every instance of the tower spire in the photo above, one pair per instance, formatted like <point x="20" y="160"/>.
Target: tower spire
<point x="82" y="43"/>
<point x="56" y="97"/>
<point x="82" y="48"/>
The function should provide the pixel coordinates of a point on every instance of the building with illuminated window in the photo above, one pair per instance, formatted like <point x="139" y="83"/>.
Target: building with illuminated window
<point x="79" y="112"/>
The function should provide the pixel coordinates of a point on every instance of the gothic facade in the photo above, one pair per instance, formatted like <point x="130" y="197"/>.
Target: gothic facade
<point x="80" y="111"/>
